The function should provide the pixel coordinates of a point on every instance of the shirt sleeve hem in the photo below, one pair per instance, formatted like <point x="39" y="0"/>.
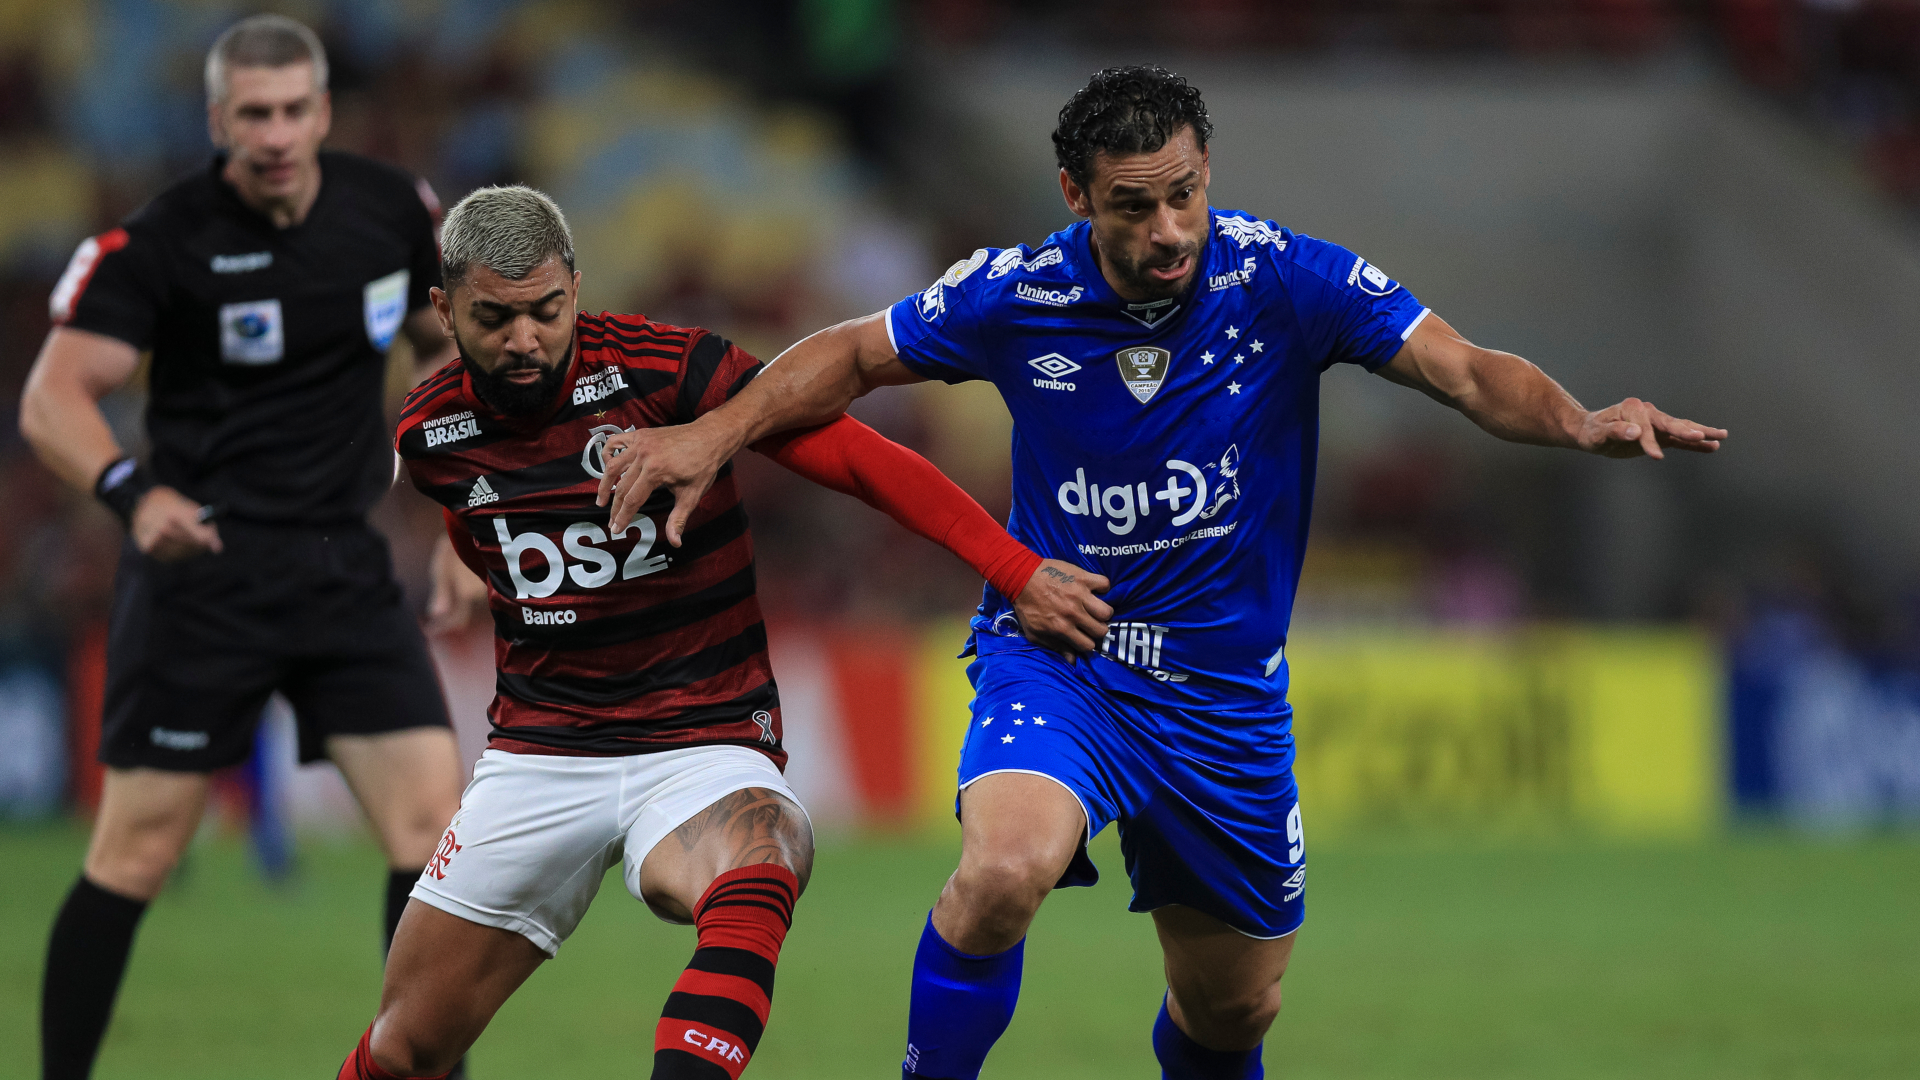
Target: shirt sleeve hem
<point x="124" y="337"/>
<point x="1415" y="324"/>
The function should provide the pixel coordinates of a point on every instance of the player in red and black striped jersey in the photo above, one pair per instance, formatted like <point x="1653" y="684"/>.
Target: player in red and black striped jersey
<point x="634" y="699"/>
<point x="606" y="644"/>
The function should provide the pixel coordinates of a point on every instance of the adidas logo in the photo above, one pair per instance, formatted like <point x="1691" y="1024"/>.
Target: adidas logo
<point x="482" y="493"/>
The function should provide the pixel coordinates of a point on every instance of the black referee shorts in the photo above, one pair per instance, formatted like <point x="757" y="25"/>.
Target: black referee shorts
<point x="196" y="647"/>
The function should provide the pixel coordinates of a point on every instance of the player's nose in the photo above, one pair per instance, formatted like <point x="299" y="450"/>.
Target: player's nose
<point x="521" y="338"/>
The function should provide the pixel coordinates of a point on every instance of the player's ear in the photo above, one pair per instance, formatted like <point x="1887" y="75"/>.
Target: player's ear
<point x="1075" y="195"/>
<point x="326" y="114"/>
<point x="442" y="309"/>
<point x="216" y="125"/>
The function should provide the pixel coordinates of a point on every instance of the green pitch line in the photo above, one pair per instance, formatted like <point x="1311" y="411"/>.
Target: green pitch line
<point x="1763" y="956"/>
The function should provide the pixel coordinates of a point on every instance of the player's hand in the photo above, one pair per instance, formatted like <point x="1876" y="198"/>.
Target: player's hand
<point x="1635" y="427"/>
<point x="459" y="595"/>
<point x="682" y="459"/>
<point x="1060" y="608"/>
<point x="168" y="526"/>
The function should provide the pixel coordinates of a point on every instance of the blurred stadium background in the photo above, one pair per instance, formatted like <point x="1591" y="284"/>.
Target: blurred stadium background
<point x="1613" y="769"/>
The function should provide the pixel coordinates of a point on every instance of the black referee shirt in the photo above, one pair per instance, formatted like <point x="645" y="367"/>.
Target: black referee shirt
<point x="269" y="345"/>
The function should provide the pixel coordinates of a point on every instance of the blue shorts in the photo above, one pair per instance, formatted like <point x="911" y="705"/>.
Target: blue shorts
<point x="1209" y="816"/>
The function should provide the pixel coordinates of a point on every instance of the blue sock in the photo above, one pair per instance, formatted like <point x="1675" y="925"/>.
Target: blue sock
<point x="1183" y="1059"/>
<point x="961" y="1005"/>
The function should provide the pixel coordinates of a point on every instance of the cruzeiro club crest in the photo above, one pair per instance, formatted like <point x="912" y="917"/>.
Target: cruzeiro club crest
<point x="1143" y="368"/>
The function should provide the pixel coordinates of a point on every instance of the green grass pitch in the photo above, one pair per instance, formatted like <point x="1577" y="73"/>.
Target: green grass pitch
<point x="1762" y="956"/>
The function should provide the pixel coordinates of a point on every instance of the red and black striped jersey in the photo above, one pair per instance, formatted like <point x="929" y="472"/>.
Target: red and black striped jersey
<point x="605" y="645"/>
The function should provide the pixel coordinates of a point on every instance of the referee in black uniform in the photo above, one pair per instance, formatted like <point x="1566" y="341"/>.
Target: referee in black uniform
<point x="268" y="288"/>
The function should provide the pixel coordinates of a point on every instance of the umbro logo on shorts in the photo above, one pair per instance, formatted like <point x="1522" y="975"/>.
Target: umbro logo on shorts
<point x="1296" y="884"/>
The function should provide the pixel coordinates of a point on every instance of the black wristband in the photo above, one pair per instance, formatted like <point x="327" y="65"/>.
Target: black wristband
<point x="122" y="485"/>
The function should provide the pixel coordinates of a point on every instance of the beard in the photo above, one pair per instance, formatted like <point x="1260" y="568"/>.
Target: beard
<point x="511" y="398"/>
<point x="1137" y="278"/>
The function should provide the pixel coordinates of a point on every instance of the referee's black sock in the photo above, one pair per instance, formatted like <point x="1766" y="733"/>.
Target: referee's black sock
<point x="86" y="956"/>
<point x="399" y="888"/>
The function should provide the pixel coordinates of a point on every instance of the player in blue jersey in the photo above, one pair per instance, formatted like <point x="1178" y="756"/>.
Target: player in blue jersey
<point x="1162" y="361"/>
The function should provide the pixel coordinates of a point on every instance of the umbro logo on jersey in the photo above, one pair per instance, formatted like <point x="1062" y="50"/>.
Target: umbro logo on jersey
<point x="1053" y="366"/>
<point x="242" y="264"/>
<point x="1143" y="368"/>
<point x="482" y="493"/>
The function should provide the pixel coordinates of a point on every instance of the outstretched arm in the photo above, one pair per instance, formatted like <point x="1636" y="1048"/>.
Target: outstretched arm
<point x="1055" y="602"/>
<point x="809" y="384"/>
<point x="1513" y="399"/>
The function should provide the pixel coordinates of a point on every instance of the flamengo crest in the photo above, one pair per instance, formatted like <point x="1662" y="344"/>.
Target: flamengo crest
<point x="1143" y="368"/>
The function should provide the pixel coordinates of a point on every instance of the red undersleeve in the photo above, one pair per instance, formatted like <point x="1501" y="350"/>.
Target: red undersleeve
<point x="852" y="458"/>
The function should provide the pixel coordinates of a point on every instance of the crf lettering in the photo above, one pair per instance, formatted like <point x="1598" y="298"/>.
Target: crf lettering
<point x="714" y="1043"/>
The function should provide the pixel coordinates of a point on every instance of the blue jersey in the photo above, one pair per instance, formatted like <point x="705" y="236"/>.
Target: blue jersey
<point x="1167" y="446"/>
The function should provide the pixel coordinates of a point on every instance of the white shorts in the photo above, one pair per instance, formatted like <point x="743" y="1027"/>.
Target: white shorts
<point x="536" y="833"/>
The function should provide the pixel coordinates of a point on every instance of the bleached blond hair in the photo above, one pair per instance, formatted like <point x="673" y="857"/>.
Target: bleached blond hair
<point x="508" y="230"/>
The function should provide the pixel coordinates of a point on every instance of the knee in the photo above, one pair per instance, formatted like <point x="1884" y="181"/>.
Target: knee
<point x="1232" y="1021"/>
<point x="404" y="1053"/>
<point x="135" y="862"/>
<point x="1004" y="889"/>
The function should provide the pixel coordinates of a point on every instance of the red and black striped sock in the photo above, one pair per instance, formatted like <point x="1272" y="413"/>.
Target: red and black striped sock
<point x="361" y="1066"/>
<point x="717" y="1010"/>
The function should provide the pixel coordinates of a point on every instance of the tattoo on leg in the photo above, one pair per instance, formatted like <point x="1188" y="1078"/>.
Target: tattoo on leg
<point x="755" y="826"/>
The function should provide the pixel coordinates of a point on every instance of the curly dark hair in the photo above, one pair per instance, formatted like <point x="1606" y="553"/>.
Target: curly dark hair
<point x="1126" y="110"/>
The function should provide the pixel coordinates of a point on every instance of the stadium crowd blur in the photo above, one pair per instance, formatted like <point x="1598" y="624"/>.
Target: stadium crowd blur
<point x="738" y="166"/>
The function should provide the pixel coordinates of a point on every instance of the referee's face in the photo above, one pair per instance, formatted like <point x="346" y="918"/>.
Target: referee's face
<point x="515" y="335"/>
<point x="271" y="124"/>
<point x="1149" y="216"/>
